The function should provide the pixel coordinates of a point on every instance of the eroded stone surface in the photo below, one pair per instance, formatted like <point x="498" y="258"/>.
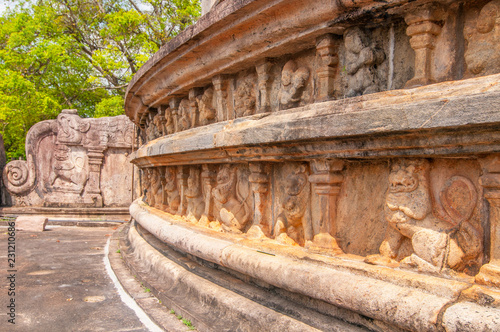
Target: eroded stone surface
<point x="31" y="223"/>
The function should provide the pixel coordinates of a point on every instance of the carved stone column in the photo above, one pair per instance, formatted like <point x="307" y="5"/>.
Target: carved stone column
<point x="93" y="188"/>
<point x="328" y="60"/>
<point x="220" y="83"/>
<point x="424" y="25"/>
<point x="490" y="273"/>
<point x="208" y="178"/>
<point x="259" y="179"/>
<point x="263" y="68"/>
<point x="174" y="106"/>
<point x="326" y="179"/>
<point x="182" y="176"/>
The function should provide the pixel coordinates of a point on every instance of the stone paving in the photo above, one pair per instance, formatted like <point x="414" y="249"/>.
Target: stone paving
<point x="61" y="283"/>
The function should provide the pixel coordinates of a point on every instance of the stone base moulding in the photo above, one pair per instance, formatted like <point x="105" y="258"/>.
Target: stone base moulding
<point x="402" y="299"/>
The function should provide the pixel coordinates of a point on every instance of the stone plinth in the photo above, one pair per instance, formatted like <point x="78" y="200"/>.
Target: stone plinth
<point x="345" y="152"/>
<point x="73" y="162"/>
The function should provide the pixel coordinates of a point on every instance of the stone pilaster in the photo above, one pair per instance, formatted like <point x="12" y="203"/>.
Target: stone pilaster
<point x="93" y="188"/>
<point x="490" y="181"/>
<point x="208" y="178"/>
<point x="328" y="60"/>
<point x="259" y="180"/>
<point x="263" y="76"/>
<point x="220" y="83"/>
<point x="326" y="179"/>
<point x="182" y="176"/>
<point x="424" y="25"/>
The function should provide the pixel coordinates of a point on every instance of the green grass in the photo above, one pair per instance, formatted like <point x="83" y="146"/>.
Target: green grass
<point x="118" y="251"/>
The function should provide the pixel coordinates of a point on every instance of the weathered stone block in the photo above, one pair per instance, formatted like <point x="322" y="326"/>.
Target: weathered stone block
<point x="31" y="223"/>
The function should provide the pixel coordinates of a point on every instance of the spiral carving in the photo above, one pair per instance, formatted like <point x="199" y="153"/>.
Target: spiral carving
<point x="19" y="176"/>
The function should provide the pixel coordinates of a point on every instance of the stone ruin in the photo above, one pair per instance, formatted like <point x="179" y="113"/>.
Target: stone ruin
<point x="73" y="162"/>
<point x="343" y="155"/>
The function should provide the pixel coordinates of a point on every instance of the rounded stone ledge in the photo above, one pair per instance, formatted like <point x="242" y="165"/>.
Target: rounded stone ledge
<point x="210" y="306"/>
<point x="471" y="317"/>
<point x="400" y="298"/>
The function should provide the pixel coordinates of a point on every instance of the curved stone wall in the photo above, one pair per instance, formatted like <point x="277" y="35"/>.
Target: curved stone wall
<point x="354" y="141"/>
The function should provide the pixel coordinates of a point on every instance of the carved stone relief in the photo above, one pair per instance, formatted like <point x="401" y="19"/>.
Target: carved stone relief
<point x="420" y="238"/>
<point x="173" y="198"/>
<point x="231" y="208"/>
<point x="64" y="162"/>
<point x="245" y="99"/>
<point x="362" y="57"/>
<point x="207" y="111"/>
<point x="184" y="115"/>
<point x="483" y="40"/>
<point x="293" y="224"/>
<point x="293" y="83"/>
<point x="194" y="194"/>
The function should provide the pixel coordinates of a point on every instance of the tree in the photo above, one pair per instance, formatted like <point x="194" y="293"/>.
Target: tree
<point x="57" y="54"/>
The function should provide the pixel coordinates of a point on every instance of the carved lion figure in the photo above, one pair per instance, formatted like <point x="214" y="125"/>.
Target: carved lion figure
<point x="290" y="223"/>
<point x="71" y="171"/>
<point x="435" y="242"/>
<point x="233" y="211"/>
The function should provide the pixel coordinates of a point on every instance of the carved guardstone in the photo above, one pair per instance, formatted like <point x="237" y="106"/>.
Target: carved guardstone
<point x="74" y="162"/>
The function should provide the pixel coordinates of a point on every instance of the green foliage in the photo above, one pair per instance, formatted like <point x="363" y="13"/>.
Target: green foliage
<point x="81" y="54"/>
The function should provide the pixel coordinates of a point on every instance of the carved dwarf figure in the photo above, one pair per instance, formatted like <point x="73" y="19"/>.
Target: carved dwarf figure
<point x="361" y="61"/>
<point x="434" y="243"/>
<point x="146" y="184"/>
<point x="159" y="123"/>
<point x="232" y="210"/>
<point x="245" y="98"/>
<point x="170" y="187"/>
<point x="184" y="115"/>
<point x="293" y="82"/>
<point x="194" y="195"/>
<point x="483" y="36"/>
<point x="207" y="112"/>
<point x="290" y="223"/>
<point x="69" y="169"/>
<point x="169" y="125"/>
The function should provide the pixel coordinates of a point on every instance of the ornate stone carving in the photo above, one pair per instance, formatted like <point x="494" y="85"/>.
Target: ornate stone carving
<point x="434" y="242"/>
<point x="64" y="161"/>
<point x="326" y="49"/>
<point x="175" y="113"/>
<point x="172" y="192"/>
<point x="170" y="123"/>
<point x="292" y="223"/>
<point x="424" y="25"/>
<point x="483" y="36"/>
<point x="260" y="182"/>
<point x="245" y="98"/>
<point x="293" y="82"/>
<point x="361" y="60"/>
<point x="69" y="169"/>
<point x="194" y="194"/>
<point x="155" y="186"/>
<point x="207" y="111"/>
<point x="231" y="209"/>
<point x="326" y="179"/>
<point x="184" y="117"/>
<point x="263" y="69"/>
<point x="220" y="89"/>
